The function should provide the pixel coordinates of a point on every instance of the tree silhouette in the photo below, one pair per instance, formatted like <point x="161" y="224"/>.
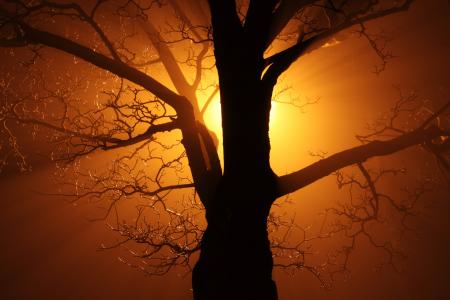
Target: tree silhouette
<point x="166" y="154"/>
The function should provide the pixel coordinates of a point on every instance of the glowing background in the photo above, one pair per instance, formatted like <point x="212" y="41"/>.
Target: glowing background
<point x="48" y="249"/>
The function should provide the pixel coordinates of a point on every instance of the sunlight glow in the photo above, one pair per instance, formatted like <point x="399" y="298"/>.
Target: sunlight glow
<point x="213" y="116"/>
<point x="274" y="112"/>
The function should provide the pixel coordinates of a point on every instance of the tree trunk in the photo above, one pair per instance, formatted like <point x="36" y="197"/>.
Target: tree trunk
<point x="236" y="260"/>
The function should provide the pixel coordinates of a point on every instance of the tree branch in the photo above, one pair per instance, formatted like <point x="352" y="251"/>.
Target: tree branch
<point x="144" y="136"/>
<point x="257" y="23"/>
<point x="299" y="179"/>
<point x="167" y="58"/>
<point x="120" y="69"/>
<point x="205" y="46"/>
<point x="209" y="100"/>
<point x="105" y="142"/>
<point x="182" y="106"/>
<point x="315" y="41"/>
<point x="283" y="14"/>
<point x="280" y="62"/>
<point x="90" y="20"/>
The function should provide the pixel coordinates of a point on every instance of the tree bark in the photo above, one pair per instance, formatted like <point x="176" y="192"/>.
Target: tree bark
<point x="236" y="260"/>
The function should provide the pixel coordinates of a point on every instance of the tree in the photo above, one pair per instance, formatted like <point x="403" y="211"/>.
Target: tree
<point x="135" y="109"/>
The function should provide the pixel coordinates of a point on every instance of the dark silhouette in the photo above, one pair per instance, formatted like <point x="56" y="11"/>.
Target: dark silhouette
<point x="235" y="259"/>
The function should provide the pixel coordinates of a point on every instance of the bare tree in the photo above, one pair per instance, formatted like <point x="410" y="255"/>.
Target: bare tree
<point x="166" y="155"/>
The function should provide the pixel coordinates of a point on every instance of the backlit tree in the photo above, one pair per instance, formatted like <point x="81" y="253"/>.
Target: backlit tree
<point x="142" y="76"/>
